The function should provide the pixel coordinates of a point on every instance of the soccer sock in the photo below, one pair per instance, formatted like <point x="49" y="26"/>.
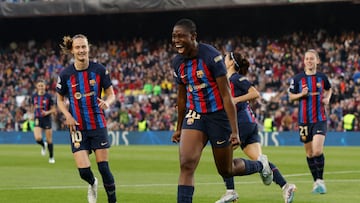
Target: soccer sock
<point x="278" y="178"/>
<point x="229" y="183"/>
<point x="312" y="167"/>
<point x="252" y="167"/>
<point x="185" y="193"/>
<point x="40" y="142"/>
<point x="51" y="150"/>
<point x="319" y="164"/>
<point x="87" y="175"/>
<point x="108" y="179"/>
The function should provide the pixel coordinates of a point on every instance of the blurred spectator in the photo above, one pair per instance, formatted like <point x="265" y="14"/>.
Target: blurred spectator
<point x="138" y="67"/>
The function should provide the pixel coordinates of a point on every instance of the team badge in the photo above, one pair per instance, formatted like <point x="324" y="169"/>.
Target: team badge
<point x="77" y="95"/>
<point x="77" y="145"/>
<point x="303" y="138"/>
<point x="199" y="74"/>
<point x="190" y="121"/>
<point x="318" y="85"/>
<point x="92" y="82"/>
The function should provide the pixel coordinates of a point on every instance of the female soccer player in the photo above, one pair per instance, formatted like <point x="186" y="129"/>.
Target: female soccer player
<point x="312" y="89"/>
<point x="205" y="112"/>
<point x="82" y="82"/>
<point x="43" y="106"/>
<point x="243" y="92"/>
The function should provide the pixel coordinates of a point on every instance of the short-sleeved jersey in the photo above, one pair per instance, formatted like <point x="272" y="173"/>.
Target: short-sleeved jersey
<point x="311" y="108"/>
<point x="41" y="103"/>
<point x="199" y="76"/>
<point x="240" y="85"/>
<point x="83" y="88"/>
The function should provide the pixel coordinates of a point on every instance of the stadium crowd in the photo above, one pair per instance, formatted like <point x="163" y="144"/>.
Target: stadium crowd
<point x="142" y="77"/>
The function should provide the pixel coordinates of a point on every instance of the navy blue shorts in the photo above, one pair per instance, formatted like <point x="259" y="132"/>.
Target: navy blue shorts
<point x="43" y="122"/>
<point x="248" y="133"/>
<point x="89" y="140"/>
<point x="215" y="125"/>
<point x="307" y="131"/>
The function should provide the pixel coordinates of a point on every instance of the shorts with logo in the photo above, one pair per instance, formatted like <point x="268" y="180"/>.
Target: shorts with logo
<point x="215" y="125"/>
<point x="248" y="133"/>
<point x="89" y="140"/>
<point x="43" y="122"/>
<point x="307" y="131"/>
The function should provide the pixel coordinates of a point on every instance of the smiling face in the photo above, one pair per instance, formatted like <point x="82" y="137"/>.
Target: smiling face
<point x="311" y="60"/>
<point x="184" y="41"/>
<point x="80" y="49"/>
<point x="40" y="86"/>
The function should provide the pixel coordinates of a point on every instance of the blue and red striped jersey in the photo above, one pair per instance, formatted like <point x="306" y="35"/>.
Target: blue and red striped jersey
<point x="199" y="76"/>
<point x="41" y="103"/>
<point x="83" y="88"/>
<point x="240" y="86"/>
<point x="311" y="108"/>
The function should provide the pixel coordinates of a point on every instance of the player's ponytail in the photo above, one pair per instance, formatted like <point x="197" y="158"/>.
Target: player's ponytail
<point x="241" y="64"/>
<point x="66" y="45"/>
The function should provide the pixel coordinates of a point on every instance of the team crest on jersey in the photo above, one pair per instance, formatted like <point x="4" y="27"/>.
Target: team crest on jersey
<point x="92" y="82"/>
<point x="77" y="95"/>
<point x="318" y="85"/>
<point x="199" y="73"/>
<point x="190" y="121"/>
<point x="77" y="145"/>
<point x="303" y="138"/>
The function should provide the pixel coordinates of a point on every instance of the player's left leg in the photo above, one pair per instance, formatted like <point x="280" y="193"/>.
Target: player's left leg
<point x="50" y="145"/>
<point x="39" y="139"/>
<point x="107" y="177"/>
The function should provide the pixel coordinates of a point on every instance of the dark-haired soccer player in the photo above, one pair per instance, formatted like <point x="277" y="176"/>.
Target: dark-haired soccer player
<point x="43" y="106"/>
<point x="243" y="92"/>
<point x="205" y="112"/>
<point x="312" y="89"/>
<point x="83" y="82"/>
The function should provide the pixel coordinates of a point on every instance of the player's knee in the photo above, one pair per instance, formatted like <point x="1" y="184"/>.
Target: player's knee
<point x="105" y="172"/>
<point x="187" y="165"/>
<point x="103" y="167"/>
<point x="85" y="174"/>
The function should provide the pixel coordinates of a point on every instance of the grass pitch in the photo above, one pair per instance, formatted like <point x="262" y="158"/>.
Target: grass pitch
<point x="149" y="174"/>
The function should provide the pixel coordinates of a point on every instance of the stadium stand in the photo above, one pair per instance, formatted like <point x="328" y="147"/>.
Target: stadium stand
<point x="138" y="55"/>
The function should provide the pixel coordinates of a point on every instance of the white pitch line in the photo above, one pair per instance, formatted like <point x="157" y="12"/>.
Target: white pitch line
<point x="174" y="184"/>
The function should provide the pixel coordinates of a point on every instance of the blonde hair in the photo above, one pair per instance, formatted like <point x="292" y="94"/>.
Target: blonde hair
<point x="67" y="43"/>
<point x="315" y="53"/>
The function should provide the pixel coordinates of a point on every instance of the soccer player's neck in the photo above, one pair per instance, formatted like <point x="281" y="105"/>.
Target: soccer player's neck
<point x="310" y="71"/>
<point x="81" y="65"/>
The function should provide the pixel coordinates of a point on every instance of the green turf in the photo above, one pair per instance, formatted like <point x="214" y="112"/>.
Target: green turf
<point x="149" y="174"/>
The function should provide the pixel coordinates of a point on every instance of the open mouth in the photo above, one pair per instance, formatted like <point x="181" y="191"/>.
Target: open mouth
<point x="180" y="48"/>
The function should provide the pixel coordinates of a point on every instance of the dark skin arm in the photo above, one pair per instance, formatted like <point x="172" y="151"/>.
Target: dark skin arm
<point x="181" y="109"/>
